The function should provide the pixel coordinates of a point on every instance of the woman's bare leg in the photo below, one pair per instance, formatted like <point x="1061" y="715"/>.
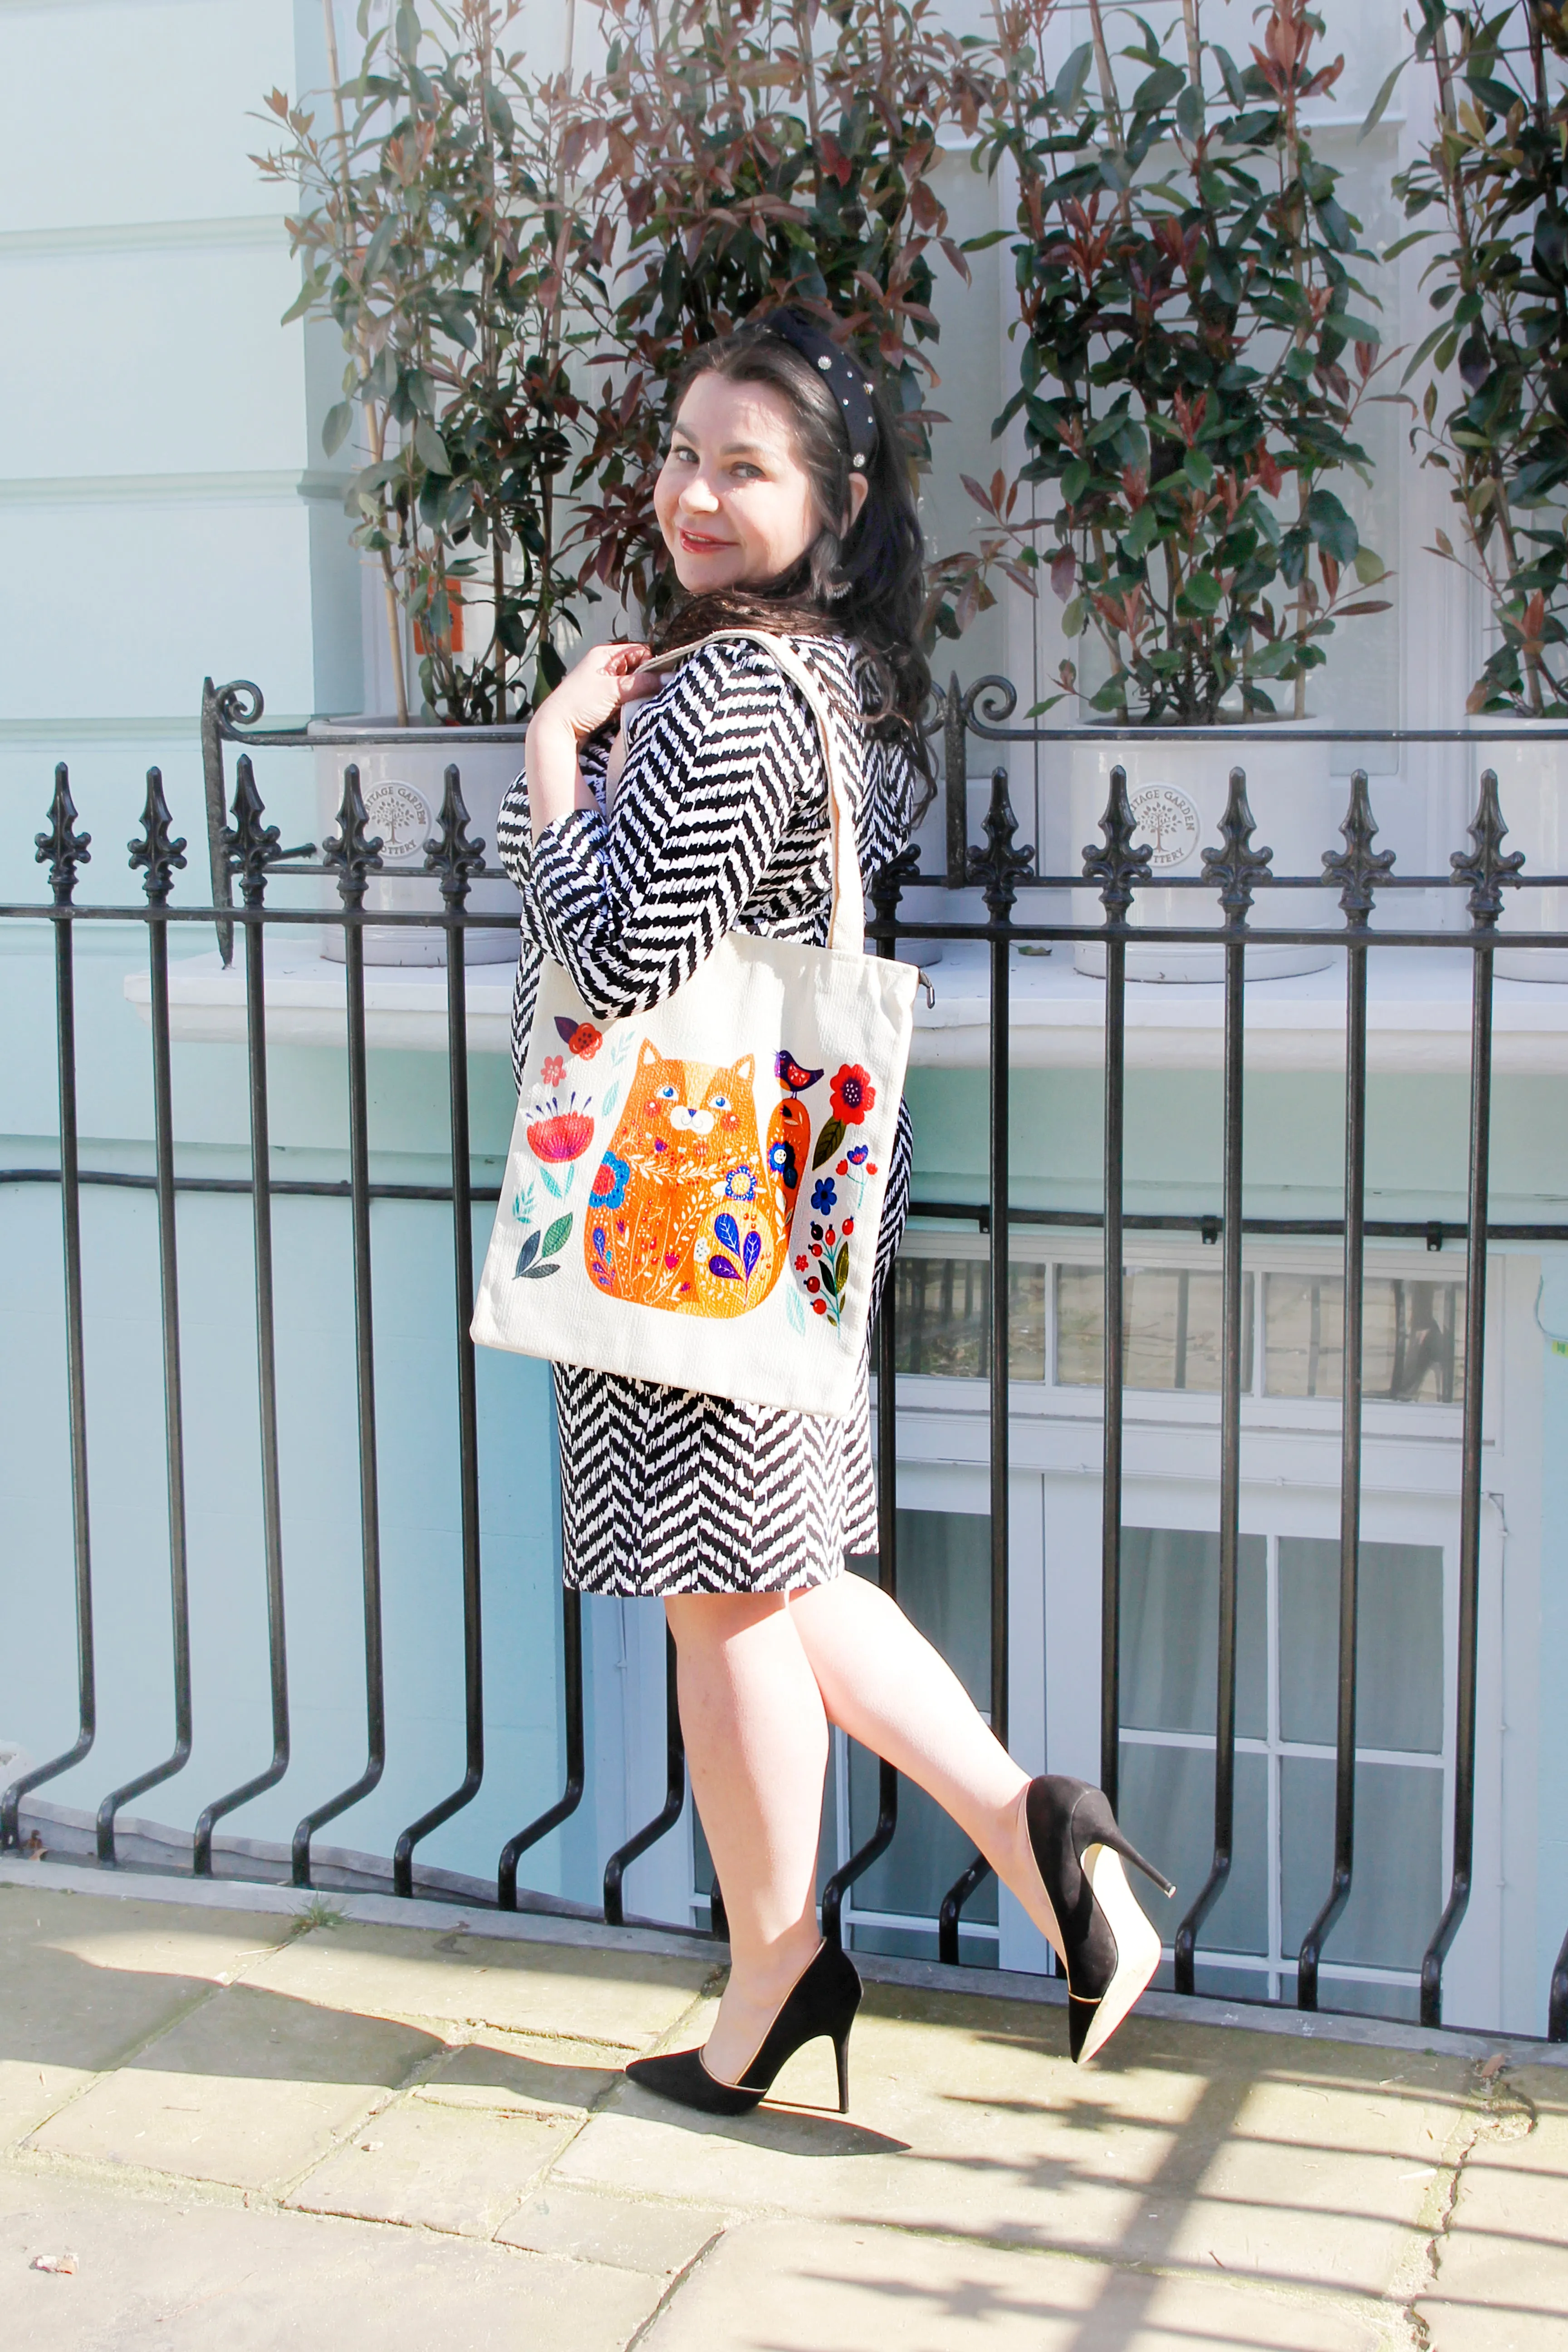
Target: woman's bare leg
<point x="883" y="1682"/>
<point x="756" y="1742"/>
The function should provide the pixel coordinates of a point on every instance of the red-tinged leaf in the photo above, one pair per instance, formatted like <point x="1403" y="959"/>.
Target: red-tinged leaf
<point x="1356" y="612"/>
<point x="955" y="257"/>
<point x="1064" y="573"/>
<point x="981" y="496"/>
<point x="998" y="490"/>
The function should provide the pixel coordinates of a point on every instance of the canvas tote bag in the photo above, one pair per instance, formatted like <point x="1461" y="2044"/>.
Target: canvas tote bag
<point x="693" y="1193"/>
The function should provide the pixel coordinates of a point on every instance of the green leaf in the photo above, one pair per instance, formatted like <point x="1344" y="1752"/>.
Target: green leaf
<point x="829" y="1141"/>
<point x="1331" y="526"/>
<point x="1380" y="103"/>
<point x="1075" y="480"/>
<point x="1370" y="567"/>
<point x="556" y="1237"/>
<point x="841" y="1269"/>
<point x="1200" y="594"/>
<point x="1142" y="531"/>
<point x="526" y="1254"/>
<point x="1069" y="84"/>
<point x="430" y="447"/>
<point x="1198" y="469"/>
<point x="335" y="425"/>
<point x="1074" y="617"/>
<point x="1234" y="88"/>
<point x="538" y="1272"/>
<point x="407" y="32"/>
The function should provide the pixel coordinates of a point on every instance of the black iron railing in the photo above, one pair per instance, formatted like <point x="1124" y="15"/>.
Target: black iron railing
<point x="245" y="850"/>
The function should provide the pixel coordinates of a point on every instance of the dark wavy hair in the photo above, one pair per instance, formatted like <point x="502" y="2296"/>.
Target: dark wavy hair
<point x="867" y="583"/>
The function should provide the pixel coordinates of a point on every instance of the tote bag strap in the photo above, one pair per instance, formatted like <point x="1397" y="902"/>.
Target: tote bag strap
<point x="846" y="921"/>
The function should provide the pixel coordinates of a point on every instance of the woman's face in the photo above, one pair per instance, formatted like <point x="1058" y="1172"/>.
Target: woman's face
<point x="732" y="498"/>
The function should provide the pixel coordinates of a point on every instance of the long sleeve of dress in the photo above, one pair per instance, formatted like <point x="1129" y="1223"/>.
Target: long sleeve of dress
<point x="630" y="904"/>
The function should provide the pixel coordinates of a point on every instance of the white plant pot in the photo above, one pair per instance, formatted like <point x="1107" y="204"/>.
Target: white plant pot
<point x="1178" y="793"/>
<point x="402" y="776"/>
<point x="1533" y="792"/>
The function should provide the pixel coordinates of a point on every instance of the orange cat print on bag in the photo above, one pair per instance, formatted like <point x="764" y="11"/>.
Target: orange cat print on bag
<point x="684" y="1212"/>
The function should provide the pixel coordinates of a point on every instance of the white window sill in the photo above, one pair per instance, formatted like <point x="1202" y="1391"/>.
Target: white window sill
<point x="1418" y="1014"/>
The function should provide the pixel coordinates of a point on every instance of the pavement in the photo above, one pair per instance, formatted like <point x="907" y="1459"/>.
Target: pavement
<point x="245" y="2128"/>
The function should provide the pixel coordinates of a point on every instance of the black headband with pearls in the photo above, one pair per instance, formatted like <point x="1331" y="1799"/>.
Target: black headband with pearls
<point x="846" y="379"/>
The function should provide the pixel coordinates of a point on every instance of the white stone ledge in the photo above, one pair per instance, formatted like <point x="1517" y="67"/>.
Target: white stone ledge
<point x="1418" y="1013"/>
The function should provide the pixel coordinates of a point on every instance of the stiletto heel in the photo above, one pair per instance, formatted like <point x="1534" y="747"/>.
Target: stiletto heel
<point x="1110" y="1947"/>
<point x="822" y="2001"/>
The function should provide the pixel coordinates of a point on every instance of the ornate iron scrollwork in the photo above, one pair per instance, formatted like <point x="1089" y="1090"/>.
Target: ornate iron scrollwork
<point x="1358" y="868"/>
<point x="155" y="847"/>
<point x="1484" y="868"/>
<point x="238" y="703"/>
<point x="891" y="881"/>
<point x="352" y="853"/>
<point x="62" y="848"/>
<point x="997" y="867"/>
<point x="450" y="854"/>
<point x="1236" y="867"/>
<point x="1114" y="863"/>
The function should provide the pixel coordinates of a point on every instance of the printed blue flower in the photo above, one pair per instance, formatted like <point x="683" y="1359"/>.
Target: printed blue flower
<point x="739" y="1184"/>
<point x="858" y="1154"/>
<point x="781" y="1159"/>
<point x="825" y="1195"/>
<point x="610" y="1183"/>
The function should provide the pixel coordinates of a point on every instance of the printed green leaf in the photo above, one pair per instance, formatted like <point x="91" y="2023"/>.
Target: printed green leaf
<point x="526" y="1254"/>
<point x="829" y="1141"/>
<point x="538" y="1272"/>
<point x="556" y="1238"/>
<point x="841" y="1269"/>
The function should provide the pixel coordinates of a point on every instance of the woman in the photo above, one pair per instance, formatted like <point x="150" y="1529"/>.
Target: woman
<point x="660" y="809"/>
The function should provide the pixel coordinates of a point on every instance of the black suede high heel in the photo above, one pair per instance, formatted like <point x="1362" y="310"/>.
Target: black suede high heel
<point x="1111" y="1950"/>
<point x="822" y="2000"/>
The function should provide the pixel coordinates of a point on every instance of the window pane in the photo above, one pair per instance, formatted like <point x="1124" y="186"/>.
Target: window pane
<point x="1412" y="1341"/>
<point x="1399" y="1643"/>
<point x="1170" y="1632"/>
<point x="1166" y="1807"/>
<point x="1396" y="1896"/>
<point x="1174" y="1324"/>
<point x="942" y="1318"/>
<point x="944" y="1588"/>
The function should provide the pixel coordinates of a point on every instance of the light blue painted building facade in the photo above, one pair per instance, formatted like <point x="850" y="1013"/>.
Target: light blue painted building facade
<point x="167" y="515"/>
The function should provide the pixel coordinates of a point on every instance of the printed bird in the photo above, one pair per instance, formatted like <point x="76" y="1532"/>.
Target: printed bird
<point x="791" y="1077"/>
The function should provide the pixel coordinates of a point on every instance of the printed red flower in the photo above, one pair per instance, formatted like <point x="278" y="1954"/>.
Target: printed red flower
<point x="819" y="1306"/>
<point x="813" y="1285"/>
<point x="842" y="1169"/>
<point x="870" y="1168"/>
<point x="848" y="1227"/>
<point x="582" y="1038"/>
<point x="853" y="1094"/>
<point x="801" y="1264"/>
<point x="552" y="1069"/>
<point x="566" y="1136"/>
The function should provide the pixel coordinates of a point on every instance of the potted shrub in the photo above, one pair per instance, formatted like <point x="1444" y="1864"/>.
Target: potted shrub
<point x="437" y="233"/>
<point x="1193" y="346"/>
<point x="1490" y="186"/>
<point x="755" y="154"/>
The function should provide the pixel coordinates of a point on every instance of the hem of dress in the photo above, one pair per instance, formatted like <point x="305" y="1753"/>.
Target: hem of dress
<point x="806" y="1581"/>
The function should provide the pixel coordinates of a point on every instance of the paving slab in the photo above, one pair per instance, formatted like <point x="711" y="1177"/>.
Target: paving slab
<point x="441" y="2167"/>
<point x="624" y="1999"/>
<point x="633" y="2234"/>
<point x="803" y="2286"/>
<point x="530" y="2072"/>
<point x="1501" y="2262"/>
<point x="88" y="1978"/>
<point x="248" y="2089"/>
<point x="193" y="2275"/>
<point x="1292" y="2164"/>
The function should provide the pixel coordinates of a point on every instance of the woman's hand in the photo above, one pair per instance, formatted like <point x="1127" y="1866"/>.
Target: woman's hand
<point x="592" y="691"/>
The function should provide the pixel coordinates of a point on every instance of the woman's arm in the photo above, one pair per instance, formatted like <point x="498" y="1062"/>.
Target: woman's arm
<point x="593" y="691"/>
<point x="631" y="910"/>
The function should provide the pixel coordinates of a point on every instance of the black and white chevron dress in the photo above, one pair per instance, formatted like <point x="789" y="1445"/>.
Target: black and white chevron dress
<point x="718" y="822"/>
